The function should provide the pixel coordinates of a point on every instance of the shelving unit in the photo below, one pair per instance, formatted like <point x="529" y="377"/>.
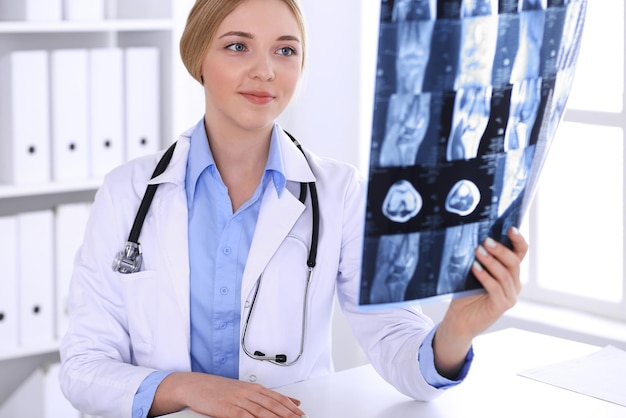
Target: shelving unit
<point x="17" y="199"/>
<point x="108" y="25"/>
<point x="126" y="24"/>
<point x="15" y="36"/>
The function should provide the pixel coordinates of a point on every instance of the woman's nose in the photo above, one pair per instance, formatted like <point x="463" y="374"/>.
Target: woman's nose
<point x="262" y="68"/>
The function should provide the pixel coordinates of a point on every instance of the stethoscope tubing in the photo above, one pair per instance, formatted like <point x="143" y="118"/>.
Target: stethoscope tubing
<point x="279" y="359"/>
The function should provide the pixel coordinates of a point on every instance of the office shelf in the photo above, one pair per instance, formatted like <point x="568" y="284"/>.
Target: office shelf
<point x="106" y="25"/>
<point x="32" y="190"/>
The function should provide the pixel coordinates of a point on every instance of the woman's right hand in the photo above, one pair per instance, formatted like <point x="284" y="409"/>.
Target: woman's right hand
<point x="221" y="397"/>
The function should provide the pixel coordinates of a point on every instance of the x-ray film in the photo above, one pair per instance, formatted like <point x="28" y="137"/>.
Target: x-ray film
<point x="467" y="99"/>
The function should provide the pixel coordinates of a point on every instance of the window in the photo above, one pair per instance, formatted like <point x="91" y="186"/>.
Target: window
<point x="576" y="224"/>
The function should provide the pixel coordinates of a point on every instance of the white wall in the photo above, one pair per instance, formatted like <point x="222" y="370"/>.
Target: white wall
<point x="331" y="112"/>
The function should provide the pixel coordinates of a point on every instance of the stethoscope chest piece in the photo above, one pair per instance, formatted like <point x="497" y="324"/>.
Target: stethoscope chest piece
<point x="128" y="260"/>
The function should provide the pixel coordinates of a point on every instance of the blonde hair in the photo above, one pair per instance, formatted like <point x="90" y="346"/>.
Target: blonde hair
<point x="202" y="23"/>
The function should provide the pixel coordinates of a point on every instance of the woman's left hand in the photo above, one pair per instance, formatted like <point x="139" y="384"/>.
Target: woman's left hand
<point x="497" y="268"/>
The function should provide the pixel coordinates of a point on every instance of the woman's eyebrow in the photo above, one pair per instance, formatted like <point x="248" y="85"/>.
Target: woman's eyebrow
<point x="248" y="35"/>
<point x="288" y="38"/>
<point x="238" y="33"/>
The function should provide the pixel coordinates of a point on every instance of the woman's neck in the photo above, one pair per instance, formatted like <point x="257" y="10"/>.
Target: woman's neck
<point x="240" y="157"/>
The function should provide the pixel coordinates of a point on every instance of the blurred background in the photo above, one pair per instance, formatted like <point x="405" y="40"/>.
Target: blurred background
<point x="573" y="276"/>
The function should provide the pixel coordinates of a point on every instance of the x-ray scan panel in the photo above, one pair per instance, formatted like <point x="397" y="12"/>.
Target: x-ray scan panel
<point x="468" y="97"/>
<point x="408" y="119"/>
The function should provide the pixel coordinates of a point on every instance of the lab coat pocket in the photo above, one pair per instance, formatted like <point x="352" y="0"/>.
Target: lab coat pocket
<point x="140" y="295"/>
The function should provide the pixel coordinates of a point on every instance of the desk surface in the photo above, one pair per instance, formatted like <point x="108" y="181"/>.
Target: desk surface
<point x="492" y="389"/>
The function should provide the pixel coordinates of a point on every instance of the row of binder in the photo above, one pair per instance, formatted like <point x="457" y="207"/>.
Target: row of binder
<point x="51" y="10"/>
<point x="73" y="114"/>
<point x="37" y="253"/>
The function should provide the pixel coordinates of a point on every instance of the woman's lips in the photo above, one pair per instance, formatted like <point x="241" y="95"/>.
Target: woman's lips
<point x="257" y="97"/>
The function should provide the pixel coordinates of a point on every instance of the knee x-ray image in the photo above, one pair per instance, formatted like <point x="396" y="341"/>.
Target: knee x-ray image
<point x="468" y="96"/>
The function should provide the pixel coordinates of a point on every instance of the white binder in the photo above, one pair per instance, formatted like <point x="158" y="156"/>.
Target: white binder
<point x="36" y="277"/>
<point x="142" y="101"/>
<point x="70" y="220"/>
<point x="106" y="88"/>
<point x="33" y="10"/>
<point x="70" y="155"/>
<point x="8" y="284"/>
<point x="85" y="10"/>
<point x="138" y="10"/>
<point x="24" y="118"/>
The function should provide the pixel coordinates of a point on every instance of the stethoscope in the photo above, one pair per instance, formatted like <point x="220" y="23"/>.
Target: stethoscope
<point x="129" y="260"/>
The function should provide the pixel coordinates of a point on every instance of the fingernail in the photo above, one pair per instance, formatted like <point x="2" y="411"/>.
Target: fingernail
<point x="490" y="242"/>
<point x="515" y="230"/>
<point x="304" y="416"/>
<point x="482" y="250"/>
<point x="477" y="266"/>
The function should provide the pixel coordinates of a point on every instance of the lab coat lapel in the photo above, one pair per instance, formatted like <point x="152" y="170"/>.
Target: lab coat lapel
<point x="174" y="246"/>
<point x="172" y="227"/>
<point x="277" y="216"/>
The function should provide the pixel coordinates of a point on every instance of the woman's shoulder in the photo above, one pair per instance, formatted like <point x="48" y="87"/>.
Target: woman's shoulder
<point x="136" y="172"/>
<point x="332" y="168"/>
<point x="337" y="181"/>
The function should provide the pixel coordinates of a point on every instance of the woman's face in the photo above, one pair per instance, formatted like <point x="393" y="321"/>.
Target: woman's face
<point x="252" y="66"/>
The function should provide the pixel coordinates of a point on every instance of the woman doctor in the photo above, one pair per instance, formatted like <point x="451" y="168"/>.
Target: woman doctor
<point x="222" y="291"/>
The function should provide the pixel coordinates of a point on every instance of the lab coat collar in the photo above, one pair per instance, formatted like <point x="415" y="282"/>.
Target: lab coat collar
<point x="177" y="168"/>
<point x="296" y="167"/>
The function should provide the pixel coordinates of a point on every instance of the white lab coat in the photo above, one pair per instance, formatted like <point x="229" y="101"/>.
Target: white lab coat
<point x="123" y="327"/>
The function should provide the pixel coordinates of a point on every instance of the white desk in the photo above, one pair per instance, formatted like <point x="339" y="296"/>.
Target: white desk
<point x="492" y="389"/>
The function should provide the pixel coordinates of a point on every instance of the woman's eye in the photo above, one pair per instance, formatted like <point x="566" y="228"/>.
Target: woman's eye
<point x="237" y="47"/>
<point x="287" y="51"/>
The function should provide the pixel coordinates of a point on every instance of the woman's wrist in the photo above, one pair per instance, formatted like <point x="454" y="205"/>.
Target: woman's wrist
<point x="450" y="349"/>
<point x="171" y="394"/>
